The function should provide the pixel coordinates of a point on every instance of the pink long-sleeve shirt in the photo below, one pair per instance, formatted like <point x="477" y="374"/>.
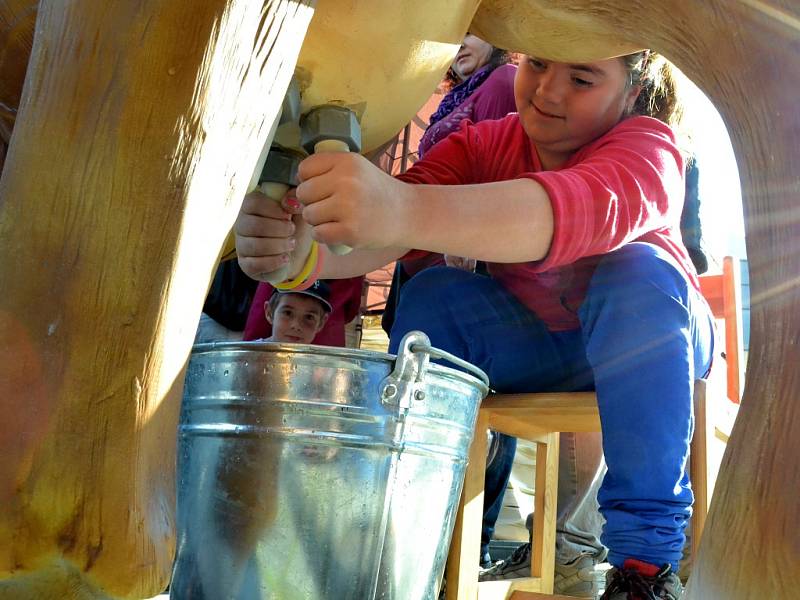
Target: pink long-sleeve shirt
<point x="625" y="186"/>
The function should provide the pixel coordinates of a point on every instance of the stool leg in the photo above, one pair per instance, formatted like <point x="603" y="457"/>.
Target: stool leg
<point x="543" y="552"/>
<point x="463" y="560"/>
<point x="698" y="464"/>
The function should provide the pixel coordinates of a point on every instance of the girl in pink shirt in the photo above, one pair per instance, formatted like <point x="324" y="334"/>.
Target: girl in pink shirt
<point x="575" y="203"/>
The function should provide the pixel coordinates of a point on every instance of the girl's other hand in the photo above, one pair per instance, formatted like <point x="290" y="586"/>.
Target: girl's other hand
<point x="270" y="235"/>
<point x="348" y="200"/>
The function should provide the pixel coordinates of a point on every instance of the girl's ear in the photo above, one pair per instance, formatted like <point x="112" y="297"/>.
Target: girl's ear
<point x="267" y="312"/>
<point x="630" y="98"/>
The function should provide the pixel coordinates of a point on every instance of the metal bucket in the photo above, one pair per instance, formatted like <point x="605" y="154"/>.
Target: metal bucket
<point x="320" y="473"/>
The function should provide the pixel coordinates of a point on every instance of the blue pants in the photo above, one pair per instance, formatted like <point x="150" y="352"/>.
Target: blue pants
<point x="645" y="336"/>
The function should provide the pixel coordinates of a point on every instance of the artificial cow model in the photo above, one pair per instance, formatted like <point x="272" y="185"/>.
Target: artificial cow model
<point x="137" y="133"/>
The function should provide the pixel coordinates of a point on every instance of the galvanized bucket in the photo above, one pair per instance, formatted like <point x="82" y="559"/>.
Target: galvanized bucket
<point x="311" y="473"/>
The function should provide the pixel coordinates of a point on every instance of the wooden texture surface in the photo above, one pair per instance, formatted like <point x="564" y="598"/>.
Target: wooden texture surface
<point x="526" y="415"/>
<point x="382" y="58"/>
<point x="698" y="462"/>
<point x="545" y="512"/>
<point x="110" y="220"/>
<point x="17" y="19"/>
<point x="138" y="131"/>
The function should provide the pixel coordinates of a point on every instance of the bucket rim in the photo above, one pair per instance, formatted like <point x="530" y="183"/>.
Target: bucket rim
<point x="316" y="350"/>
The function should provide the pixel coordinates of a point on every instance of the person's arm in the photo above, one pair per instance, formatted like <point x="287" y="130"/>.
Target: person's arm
<point x="620" y="188"/>
<point x="349" y="201"/>
<point x="626" y="185"/>
<point x="503" y="222"/>
<point x="358" y="262"/>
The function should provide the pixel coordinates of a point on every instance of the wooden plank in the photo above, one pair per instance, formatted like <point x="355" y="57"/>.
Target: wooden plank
<point x="464" y="557"/>
<point x="711" y="287"/>
<point x="723" y="293"/>
<point x="698" y="458"/>
<point x="566" y="401"/>
<point x="732" y="313"/>
<point x="528" y="424"/>
<point x="545" y="511"/>
<point x="530" y="415"/>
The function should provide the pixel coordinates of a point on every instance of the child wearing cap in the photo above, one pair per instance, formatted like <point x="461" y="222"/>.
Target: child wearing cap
<point x="297" y="316"/>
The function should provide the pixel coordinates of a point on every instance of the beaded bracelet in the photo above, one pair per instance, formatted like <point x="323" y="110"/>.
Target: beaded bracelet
<point x="309" y="266"/>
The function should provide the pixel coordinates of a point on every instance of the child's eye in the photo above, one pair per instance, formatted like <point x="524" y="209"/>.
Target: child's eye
<point x="582" y="82"/>
<point x="537" y="64"/>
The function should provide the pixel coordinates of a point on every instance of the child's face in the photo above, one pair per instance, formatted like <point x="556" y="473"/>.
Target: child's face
<point x="563" y="107"/>
<point x="296" y="319"/>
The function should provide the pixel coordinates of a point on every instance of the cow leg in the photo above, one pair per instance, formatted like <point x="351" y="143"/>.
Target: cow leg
<point x="139" y="129"/>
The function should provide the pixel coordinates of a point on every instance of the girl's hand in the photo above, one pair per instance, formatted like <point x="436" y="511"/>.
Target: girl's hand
<point x="271" y="235"/>
<point x="348" y="200"/>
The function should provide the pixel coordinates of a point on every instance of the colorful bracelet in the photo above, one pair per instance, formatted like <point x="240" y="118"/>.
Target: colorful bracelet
<point x="308" y="267"/>
<point x="312" y="279"/>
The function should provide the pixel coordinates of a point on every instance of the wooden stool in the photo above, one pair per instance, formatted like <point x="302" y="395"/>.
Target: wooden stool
<point x="540" y="418"/>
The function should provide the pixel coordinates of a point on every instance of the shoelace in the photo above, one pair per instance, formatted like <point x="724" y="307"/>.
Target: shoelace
<point x="520" y="554"/>
<point x="638" y="586"/>
<point x="518" y="557"/>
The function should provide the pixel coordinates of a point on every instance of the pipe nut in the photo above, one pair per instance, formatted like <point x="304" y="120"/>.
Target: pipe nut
<point x="330" y="122"/>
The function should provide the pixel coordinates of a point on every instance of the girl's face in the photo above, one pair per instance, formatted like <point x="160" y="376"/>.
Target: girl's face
<point x="474" y="53"/>
<point x="563" y="107"/>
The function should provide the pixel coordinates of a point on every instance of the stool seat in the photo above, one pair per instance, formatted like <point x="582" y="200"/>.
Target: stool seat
<point x="523" y="414"/>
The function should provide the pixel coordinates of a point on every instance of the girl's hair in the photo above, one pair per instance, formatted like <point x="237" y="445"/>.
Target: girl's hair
<point x="496" y="58"/>
<point x="659" y="80"/>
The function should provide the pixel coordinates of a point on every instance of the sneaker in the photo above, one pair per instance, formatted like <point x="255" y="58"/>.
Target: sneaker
<point x="638" y="580"/>
<point x="515" y="566"/>
<point x="577" y="578"/>
<point x="486" y="561"/>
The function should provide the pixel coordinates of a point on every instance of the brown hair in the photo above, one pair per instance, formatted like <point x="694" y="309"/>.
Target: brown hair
<point x="660" y="98"/>
<point x="659" y="81"/>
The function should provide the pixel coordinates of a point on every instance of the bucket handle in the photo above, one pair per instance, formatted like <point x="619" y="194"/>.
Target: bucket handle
<point x="436" y="353"/>
<point x="404" y="384"/>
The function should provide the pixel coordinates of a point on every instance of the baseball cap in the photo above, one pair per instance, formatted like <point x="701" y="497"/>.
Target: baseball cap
<point x="320" y="290"/>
